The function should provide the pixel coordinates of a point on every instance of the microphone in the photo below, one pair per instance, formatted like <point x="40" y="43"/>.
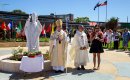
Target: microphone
<point x="59" y="37"/>
<point x="59" y="42"/>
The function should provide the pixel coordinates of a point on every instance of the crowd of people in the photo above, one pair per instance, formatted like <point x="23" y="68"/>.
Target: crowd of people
<point x="115" y="37"/>
<point x="112" y="38"/>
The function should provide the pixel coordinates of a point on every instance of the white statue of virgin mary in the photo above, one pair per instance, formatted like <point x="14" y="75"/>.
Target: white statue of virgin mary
<point x="33" y="30"/>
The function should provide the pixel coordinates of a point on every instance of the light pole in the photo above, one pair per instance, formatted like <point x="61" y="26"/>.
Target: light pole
<point x="67" y="24"/>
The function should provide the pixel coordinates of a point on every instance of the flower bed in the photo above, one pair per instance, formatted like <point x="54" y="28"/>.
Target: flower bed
<point x="11" y="63"/>
<point x="17" y="54"/>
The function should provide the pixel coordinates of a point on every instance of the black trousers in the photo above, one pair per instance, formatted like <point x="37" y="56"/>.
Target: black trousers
<point x="116" y="44"/>
<point x="104" y="43"/>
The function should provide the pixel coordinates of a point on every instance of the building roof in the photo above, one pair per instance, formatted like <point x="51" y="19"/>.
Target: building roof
<point x="26" y="15"/>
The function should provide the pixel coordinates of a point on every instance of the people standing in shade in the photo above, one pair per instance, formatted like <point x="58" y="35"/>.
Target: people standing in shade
<point x="126" y="38"/>
<point x="88" y="36"/>
<point x="110" y="38"/>
<point x="105" y="37"/>
<point x="59" y="49"/>
<point x="79" y="49"/>
<point x="116" y="39"/>
<point x="96" y="47"/>
<point x="105" y="41"/>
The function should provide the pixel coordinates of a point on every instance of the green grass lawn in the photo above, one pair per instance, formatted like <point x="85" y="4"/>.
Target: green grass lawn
<point x="41" y="39"/>
<point x="120" y="45"/>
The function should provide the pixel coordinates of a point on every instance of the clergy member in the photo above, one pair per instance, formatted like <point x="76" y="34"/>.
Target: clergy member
<point x="33" y="30"/>
<point x="59" y="49"/>
<point x="79" y="48"/>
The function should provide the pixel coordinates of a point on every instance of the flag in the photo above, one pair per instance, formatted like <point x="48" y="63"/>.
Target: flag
<point x="43" y="30"/>
<point x="3" y="26"/>
<point x="97" y="5"/>
<point x="52" y="28"/>
<point x="9" y="26"/>
<point x="48" y="29"/>
<point x="103" y="4"/>
<point x="19" y="26"/>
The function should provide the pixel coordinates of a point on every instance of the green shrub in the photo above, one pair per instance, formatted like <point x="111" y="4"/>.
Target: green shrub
<point x="44" y="39"/>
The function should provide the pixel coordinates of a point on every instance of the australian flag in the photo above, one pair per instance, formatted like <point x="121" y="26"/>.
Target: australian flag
<point x="103" y="4"/>
<point x="100" y="4"/>
<point x="97" y="5"/>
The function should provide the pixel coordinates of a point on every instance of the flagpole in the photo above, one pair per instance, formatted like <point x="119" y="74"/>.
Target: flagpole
<point x="127" y="19"/>
<point x="12" y="29"/>
<point x="106" y="13"/>
<point x="98" y="11"/>
<point x="98" y="16"/>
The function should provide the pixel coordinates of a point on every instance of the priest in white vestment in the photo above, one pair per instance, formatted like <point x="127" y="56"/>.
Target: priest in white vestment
<point x="79" y="49"/>
<point x="59" y="48"/>
<point x="33" y="30"/>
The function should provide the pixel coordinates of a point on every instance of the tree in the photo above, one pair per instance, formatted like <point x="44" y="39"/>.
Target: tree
<point x="17" y="11"/>
<point x="81" y="19"/>
<point x="112" y="23"/>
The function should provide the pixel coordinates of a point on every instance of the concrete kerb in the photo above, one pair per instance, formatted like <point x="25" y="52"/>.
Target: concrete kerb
<point x="13" y="66"/>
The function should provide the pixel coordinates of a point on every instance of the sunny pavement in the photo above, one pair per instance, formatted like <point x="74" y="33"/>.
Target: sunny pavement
<point x="115" y="65"/>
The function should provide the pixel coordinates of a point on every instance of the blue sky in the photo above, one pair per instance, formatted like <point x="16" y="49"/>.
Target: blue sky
<point x="80" y="8"/>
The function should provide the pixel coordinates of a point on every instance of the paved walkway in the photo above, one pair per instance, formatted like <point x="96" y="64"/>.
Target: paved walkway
<point x="115" y="65"/>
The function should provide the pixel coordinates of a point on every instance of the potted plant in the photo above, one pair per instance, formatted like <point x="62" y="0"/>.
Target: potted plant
<point x="38" y="53"/>
<point x="19" y="57"/>
<point x="31" y="54"/>
<point x="25" y="53"/>
<point x="46" y="55"/>
<point x="20" y="50"/>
